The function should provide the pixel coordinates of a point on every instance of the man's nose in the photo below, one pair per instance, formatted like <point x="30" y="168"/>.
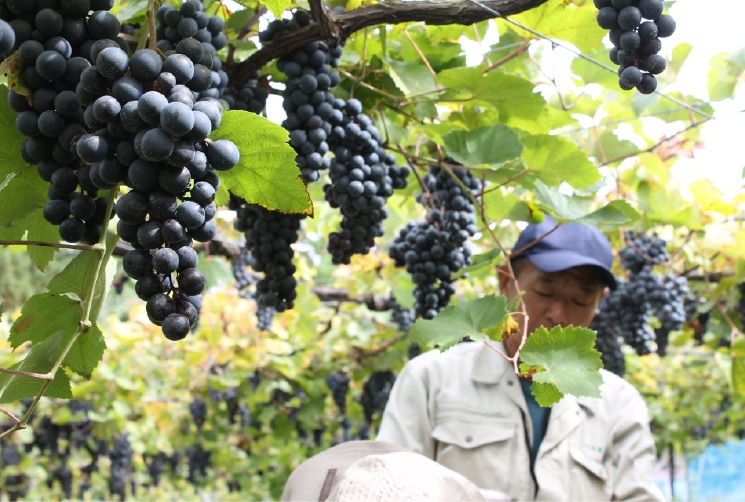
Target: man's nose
<point x="558" y="313"/>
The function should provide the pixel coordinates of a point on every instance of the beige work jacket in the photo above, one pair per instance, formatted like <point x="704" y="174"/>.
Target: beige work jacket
<point x="465" y="409"/>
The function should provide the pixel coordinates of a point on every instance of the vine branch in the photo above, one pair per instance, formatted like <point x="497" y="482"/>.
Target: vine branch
<point x="22" y="242"/>
<point x="336" y="27"/>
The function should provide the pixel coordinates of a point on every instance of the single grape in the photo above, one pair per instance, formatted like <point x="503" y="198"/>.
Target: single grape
<point x="56" y="211"/>
<point x="630" y="77"/>
<point x="112" y="62"/>
<point x="665" y="25"/>
<point x="176" y="327"/>
<point x="132" y="207"/>
<point x="145" y="65"/>
<point x="648" y="84"/>
<point x="191" y="281"/>
<point x="150" y="105"/>
<point x="177" y="119"/>
<point x="149" y="235"/>
<point x="158" y="307"/>
<point x="190" y="215"/>
<point x="223" y="155"/>
<point x="165" y="260"/>
<point x="103" y="25"/>
<point x="137" y="263"/>
<point x="51" y="65"/>
<point x="157" y="145"/>
<point x="72" y="230"/>
<point x="180" y="66"/>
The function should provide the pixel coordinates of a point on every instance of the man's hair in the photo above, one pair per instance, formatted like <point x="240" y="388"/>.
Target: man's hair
<point x="517" y="265"/>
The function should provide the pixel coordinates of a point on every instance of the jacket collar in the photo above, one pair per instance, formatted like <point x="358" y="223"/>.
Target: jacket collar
<point x="489" y="367"/>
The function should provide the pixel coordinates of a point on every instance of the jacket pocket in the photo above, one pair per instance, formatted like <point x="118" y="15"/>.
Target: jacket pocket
<point x="479" y="447"/>
<point x="465" y="433"/>
<point x="595" y="473"/>
<point x="591" y="465"/>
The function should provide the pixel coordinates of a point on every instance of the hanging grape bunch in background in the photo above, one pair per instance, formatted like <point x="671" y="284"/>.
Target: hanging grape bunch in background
<point x="646" y="307"/>
<point x="635" y="29"/>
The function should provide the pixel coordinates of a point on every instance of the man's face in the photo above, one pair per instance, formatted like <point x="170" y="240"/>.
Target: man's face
<point x="553" y="299"/>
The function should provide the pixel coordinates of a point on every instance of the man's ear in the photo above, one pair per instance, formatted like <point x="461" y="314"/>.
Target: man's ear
<point x="506" y="279"/>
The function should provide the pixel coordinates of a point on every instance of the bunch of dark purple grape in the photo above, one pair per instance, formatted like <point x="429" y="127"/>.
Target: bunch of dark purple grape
<point x="55" y="45"/>
<point x="155" y="142"/>
<point x="362" y="178"/>
<point x="627" y="313"/>
<point x="434" y="249"/>
<point x="190" y="21"/>
<point x="635" y="28"/>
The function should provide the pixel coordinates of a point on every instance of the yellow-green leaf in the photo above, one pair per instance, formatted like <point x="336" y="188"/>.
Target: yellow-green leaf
<point x="267" y="174"/>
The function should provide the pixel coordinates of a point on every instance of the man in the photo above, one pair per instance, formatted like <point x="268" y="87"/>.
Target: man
<point x="466" y="408"/>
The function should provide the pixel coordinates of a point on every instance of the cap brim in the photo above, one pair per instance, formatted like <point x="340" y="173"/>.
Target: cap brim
<point x="556" y="261"/>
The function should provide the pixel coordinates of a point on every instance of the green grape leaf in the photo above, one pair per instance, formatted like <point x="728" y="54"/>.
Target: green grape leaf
<point x="39" y="359"/>
<point x="486" y="145"/>
<point x="217" y="270"/>
<point x="725" y="73"/>
<point x="266" y="174"/>
<point x="679" y="56"/>
<point x="11" y="76"/>
<point x="475" y="319"/>
<point x="130" y="11"/>
<point x="660" y="205"/>
<point x="479" y="261"/>
<point x="564" y="21"/>
<point x="40" y="230"/>
<point x="579" y="209"/>
<point x="277" y="6"/>
<point x="609" y="146"/>
<point x="43" y="316"/>
<point x="554" y="159"/>
<point x="503" y="204"/>
<point x="412" y="77"/>
<point x="239" y="19"/>
<point x="86" y="352"/>
<point x="514" y="97"/>
<point x="83" y="274"/>
<point x="564" y="358"/>
<point x="546" y="394"/>
<point x="33" y="227"/>
<point x="22" y="194"/>
<point x="10" y="146"/>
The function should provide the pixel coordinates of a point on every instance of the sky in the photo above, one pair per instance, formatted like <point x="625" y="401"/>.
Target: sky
<point x="712" y="29"/>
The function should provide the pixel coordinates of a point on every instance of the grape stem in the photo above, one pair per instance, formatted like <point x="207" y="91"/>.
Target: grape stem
<point x="152" y="37"/>
<point x="58" y="245"/>
<point x="9" y="414"/>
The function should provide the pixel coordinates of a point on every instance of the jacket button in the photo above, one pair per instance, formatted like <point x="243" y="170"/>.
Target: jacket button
<point x="469" y="439"/>
<point x="510" y="382"/>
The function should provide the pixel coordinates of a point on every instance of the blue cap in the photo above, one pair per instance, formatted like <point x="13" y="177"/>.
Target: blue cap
<point x="568" y="246"/>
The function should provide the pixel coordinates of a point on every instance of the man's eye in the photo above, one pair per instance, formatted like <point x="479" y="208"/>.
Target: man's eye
<point x="543" y="294"/>
<point x="580" y="304"/>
